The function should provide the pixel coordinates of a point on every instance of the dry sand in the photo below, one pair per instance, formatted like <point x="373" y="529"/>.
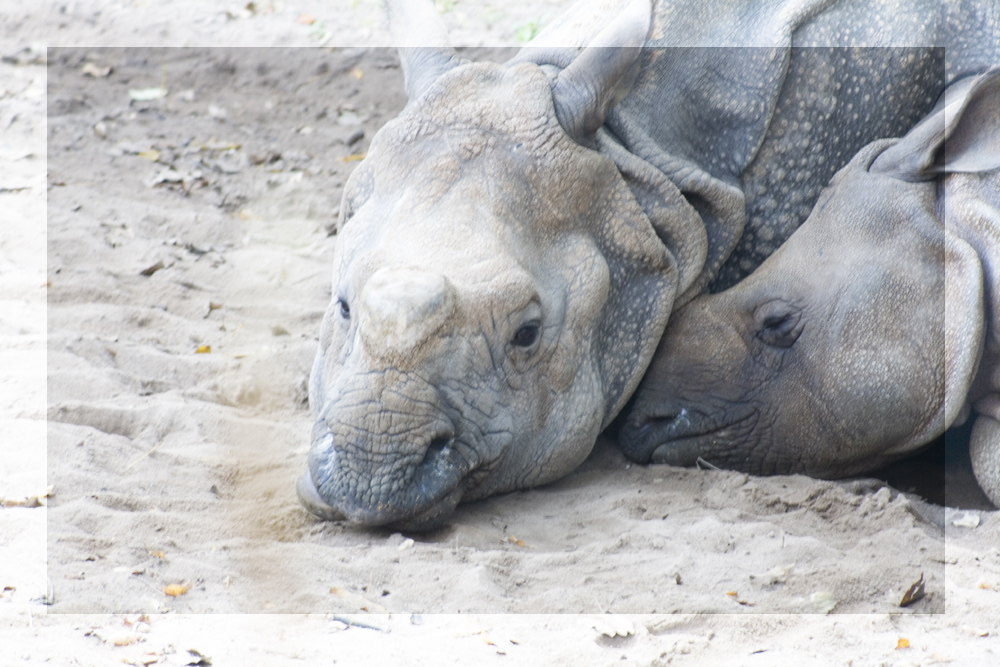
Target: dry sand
<point x="201" y="219"/>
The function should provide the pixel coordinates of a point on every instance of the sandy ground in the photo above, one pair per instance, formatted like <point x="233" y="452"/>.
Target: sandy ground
<point x="200" y="216"/>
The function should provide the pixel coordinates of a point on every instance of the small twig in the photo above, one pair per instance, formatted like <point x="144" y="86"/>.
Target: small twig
<point x="142" y="456"/>
<point x="347" y="619"/>
<point x="151" y="586"/>
<point x="309" y="277"/>
<point x="705" y="465"/>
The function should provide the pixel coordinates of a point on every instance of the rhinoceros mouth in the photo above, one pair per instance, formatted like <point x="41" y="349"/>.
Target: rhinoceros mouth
<point x="683" y="438"/>
<point x="429" y="496"/>
<point x="429" y="519"/>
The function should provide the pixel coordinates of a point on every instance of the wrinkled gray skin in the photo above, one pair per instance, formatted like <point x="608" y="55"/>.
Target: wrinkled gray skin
<point x="514" y="242"/>
<point x="867" y="334"/>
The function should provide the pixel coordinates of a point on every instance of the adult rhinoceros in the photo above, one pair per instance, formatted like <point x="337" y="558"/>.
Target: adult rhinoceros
<point x="514" y="242"/>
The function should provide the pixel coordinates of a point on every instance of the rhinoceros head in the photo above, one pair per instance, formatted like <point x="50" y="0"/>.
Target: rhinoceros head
<point x="858" y="340"/>
<point x="497" y="293"/>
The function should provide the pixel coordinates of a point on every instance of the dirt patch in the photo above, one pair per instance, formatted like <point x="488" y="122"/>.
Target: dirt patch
<point x="199" y="219"/>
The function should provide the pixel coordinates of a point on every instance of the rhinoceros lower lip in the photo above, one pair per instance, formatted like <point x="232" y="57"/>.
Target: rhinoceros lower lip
<point x="429" y="519"/>
<point x="305" y="489"/>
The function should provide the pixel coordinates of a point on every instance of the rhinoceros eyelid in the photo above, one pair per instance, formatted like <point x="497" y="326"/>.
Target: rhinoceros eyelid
<point x="779" y="324"/>
<point x="345" y="309"/>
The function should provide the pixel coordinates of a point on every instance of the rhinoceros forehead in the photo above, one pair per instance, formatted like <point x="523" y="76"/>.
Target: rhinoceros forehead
<point x="507" y="102"/>
<point x="480" y="162"/>
<point x="480" y="120"/>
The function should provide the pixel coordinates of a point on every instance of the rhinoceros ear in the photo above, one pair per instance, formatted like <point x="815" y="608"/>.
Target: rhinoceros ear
<point x="603" y="72"/>
<point x="974" y="145"/>
<point x="422" y="39"/>
<point x="961" y="134"/>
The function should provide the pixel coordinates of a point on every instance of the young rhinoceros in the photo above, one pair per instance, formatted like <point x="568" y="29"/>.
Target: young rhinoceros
<point x="874" y="328"/>
<point x="514" y="242"/>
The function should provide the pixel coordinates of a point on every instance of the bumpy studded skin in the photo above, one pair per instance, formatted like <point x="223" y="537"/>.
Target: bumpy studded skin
<point x="543" y="217"/>
<point x="868" y="333"/>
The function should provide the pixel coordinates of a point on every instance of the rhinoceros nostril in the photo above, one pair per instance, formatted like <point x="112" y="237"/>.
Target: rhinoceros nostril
<point x="439" y="449"/>
<point x="644" y="433"/>
<point x="443" y="465"/>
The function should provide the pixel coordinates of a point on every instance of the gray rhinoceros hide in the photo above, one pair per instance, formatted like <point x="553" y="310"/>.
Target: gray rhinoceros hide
<point x="514" y="242"/>
<point x="872" y="330"/>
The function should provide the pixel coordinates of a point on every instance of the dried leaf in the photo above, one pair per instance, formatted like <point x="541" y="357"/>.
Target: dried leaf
<point x="158" y="554"/>
<point x="203" y="349"/>
<point x="735" y="596"/>
<point x="217" y="145"/>
<point x="30" y="501"/>
<point x="306" y="19"/>
<point x="150" y="270"/>
<point x="514" y="540"/>
<point x="152" y="154"/>
<point x="914" y="592"/>
<point x="212" y="305"/>
<point x="96" y="71"/>
<point x="966" y="520"/>
<point x="147" y="94"/>
<point x="823" y="601"/>
<point x="174" y="590"/>
<point x="614" y="626"/>
<point x="357" y="73"/>
<point x="124" y="640"/>
<point x="778" y="574"/>
<point x="146" y="661"/>
<point x="902" y="643"/>
<point x="202" y="660"/>
<point x="168" y="175"/>
<point x="357" y="157"/>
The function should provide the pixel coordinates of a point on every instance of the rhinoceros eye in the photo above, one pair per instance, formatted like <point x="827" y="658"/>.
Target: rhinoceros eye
<point x="526" y="335"/>
<point x="345" y="309"/>
<point x="778" y="323"/>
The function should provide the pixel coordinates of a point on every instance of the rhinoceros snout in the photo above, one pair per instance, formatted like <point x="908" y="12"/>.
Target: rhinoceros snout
<point x="401" y="307"/>
<point x="333" y="488"/>
<point x="644" y="435"/>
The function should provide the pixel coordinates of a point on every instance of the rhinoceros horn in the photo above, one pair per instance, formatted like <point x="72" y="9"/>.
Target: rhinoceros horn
<point x="401" y="307"/>
<point x="422" y="40"/>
